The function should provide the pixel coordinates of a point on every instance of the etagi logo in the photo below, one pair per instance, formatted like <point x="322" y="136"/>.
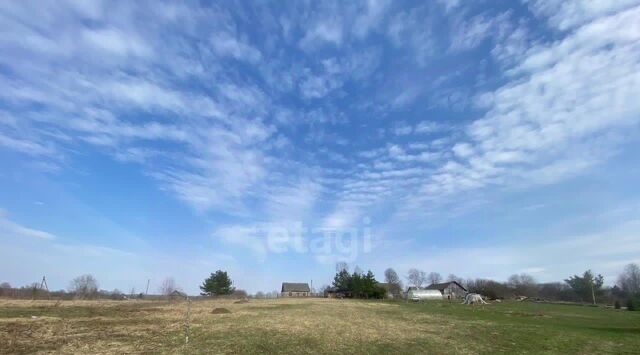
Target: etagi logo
<point x="327" y="243"/>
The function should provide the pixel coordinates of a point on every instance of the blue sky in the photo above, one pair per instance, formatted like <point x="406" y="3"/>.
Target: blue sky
<point x="144" y="140"/>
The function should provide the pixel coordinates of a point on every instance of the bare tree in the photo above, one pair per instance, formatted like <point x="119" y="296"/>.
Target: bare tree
<point x="434" y="277"/>
<point x="629" y="280"/>
<point x="416" y="277"/>
<point x="453" y="277"/>
<point x="395" y="284"/>
<point x="323" y="289"/>
<point x="168" y="286"/>
<point x="84" y="286"/>
<point x="341" y="266"/>
<point x="117" y="295"/>
<point x="523" y="284"/>
<point x="5" y="288"/>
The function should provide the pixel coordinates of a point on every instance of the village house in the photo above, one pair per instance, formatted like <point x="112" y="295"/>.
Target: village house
<point x="449" y="290"/>
<point x="391" y="290"/>
<point x="292" y="289"/>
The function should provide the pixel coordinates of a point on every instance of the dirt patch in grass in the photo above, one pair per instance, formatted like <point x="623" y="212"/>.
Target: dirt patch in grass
<point x="220" y="311"/>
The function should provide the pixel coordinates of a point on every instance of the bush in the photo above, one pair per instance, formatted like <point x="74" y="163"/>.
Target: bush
<point x="616" y="305"/>
<point x="631" y="305"/>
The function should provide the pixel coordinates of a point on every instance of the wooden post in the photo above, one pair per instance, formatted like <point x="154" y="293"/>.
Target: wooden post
<point x="186" y="338"/>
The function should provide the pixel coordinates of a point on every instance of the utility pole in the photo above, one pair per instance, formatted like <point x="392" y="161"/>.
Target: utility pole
<point x="43" y="285"/>
<point x="147" y="291"/>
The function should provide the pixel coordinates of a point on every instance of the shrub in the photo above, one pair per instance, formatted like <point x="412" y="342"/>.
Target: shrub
<point x="631" y="305"/>
<point x="616" y="305"/>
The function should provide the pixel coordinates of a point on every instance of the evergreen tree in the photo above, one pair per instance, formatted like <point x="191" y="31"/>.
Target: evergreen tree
<point x="358" y="284"/>
<point x="588" y="286"/>
<point x="217" y="284"/>
<point x="342" y="280"/>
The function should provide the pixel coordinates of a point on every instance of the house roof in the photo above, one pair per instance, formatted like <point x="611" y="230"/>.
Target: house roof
<point x="443" y="285"/>
<point x="295" y="287"/>
<point x="388" y="285"/>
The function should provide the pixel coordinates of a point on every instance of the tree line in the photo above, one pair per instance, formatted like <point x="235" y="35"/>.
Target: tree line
<point x="587" y="287"/>
<point x="87" y="287"/>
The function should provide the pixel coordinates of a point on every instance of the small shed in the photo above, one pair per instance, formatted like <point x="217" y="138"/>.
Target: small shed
<point x="423" y="295"/>
<point x="334" y="292"/>
<point x="295" y="289"/>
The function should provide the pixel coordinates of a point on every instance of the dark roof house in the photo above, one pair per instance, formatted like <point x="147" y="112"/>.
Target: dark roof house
<point x="178" y="293"/>
<point x="295" y="287"/>
<point x="442" y="286"/>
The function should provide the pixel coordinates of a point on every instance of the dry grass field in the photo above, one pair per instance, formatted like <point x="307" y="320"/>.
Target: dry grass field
<point x="314" y="326"/>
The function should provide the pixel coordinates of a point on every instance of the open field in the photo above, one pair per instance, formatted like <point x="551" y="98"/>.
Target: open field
<point x="314" y="326"/>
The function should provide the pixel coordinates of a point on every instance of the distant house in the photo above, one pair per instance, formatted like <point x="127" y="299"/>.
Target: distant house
<point x="391" y="290"/>
<point x="292" y="289"/>
<point x="449" y="290"/>
<point x="177" y="295"/>
<point x="334" y="292"/>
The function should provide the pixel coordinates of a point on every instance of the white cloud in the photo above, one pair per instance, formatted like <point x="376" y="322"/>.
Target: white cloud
<point x="412" y="30"/>
<point x="294" y="203"/>
<point x="429" y="127"/>
<point x="462" y="150"/>
<point x="26" y="146"/>
<point x="370" y="17"/>
<point x="469" y="34"/>
<point x="565" y="15"/>
<point x="344" y="215"/>
<point x="565" y="100"/>
<point x="12" y="229"/>
<point x="243" y="236"/>
<point x="403" y="130"/>
<point x="449" y="4"/>
<point x="328" y="29"/>
<point x="225" y="44"/>
<point x="116" y="42"/>
<point x="314" y="87"/>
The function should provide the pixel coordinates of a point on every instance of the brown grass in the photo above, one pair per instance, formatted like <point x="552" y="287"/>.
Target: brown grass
<point x="139" y="326"/>
<point x="309" y="326"/>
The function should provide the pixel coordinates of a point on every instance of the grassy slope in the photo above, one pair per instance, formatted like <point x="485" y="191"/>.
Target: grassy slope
<point x="312" y="326"/>
<point x="539" y="328"/>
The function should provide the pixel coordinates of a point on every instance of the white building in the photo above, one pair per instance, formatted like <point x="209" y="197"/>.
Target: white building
<point x="422" y="295"/>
